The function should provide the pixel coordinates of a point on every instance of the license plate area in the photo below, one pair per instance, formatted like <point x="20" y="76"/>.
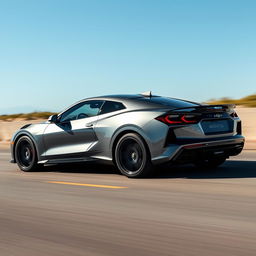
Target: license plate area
<point x="211" y="127"/>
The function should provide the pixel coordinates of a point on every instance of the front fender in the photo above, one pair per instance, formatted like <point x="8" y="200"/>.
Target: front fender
<point x="35" y="133"/>
<point x="15" y="138"/>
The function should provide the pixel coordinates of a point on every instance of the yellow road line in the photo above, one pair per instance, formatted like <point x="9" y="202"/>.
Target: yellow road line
<point x="85" y="185"/>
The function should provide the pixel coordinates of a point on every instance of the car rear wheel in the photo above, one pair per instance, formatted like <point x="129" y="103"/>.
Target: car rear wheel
<point x="132" y="157"/>
<point x="210" y="163"/>
<point x="25" y="154"/>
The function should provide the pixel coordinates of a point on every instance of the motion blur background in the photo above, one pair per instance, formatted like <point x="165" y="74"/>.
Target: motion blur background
<point x="53" y="53"/>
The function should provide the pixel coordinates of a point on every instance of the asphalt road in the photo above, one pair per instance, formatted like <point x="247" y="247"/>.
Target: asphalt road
<point x="92" y="210"/>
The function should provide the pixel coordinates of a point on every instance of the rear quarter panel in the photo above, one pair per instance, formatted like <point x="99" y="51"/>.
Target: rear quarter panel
<point x="110" y="126"/>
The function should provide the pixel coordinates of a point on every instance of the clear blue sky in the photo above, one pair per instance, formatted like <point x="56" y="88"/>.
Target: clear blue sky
<point x="54" y="52"/>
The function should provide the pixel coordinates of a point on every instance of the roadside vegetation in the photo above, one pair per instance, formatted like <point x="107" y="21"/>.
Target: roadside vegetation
<point x="29" y="116"/>
<point x="248" y="101"/>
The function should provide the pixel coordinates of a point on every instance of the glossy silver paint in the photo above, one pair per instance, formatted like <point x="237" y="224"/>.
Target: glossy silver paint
<point x="94" y="138"/>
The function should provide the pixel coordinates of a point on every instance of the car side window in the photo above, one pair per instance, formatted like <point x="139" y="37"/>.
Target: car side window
<point x="111" y="106"/>
<point x="82" y="110"/>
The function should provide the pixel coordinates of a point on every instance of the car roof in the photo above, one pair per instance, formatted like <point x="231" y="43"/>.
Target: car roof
<point x="147" y="101"/>
<point x="118" y="96"/>
<point x="139" y="101"/>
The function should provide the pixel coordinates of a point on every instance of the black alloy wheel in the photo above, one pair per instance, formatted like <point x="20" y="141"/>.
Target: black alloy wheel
<point x="132" y="156"/>
<point x="25" y="154"/>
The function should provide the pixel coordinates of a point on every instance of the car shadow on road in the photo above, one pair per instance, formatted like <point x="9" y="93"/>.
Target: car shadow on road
<point x="231" y="169"/>
<point x="90" y="168"/>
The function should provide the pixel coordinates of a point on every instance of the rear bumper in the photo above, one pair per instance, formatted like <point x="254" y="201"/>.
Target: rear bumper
<point x="189" y="151"/>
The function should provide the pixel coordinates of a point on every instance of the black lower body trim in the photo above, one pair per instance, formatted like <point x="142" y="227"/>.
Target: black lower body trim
<point x="193" y="154"/>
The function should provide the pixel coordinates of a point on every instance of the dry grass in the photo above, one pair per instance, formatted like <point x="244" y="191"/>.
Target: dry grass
<point x="29" y="116"/>
<point x="248" y="101"/>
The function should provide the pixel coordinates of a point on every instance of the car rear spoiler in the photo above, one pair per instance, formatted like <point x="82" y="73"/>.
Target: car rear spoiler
<point x="207" y="108"/>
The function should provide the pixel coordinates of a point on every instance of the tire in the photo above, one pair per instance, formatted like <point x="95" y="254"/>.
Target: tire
<point x="25" y="154"/>
<point x="132" y="156"/>
<point x="210" y="163"/>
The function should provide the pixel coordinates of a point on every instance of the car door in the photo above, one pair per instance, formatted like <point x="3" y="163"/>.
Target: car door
<point x="73" y="134"/>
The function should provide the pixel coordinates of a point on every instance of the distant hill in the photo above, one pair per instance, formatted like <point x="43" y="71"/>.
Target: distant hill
<point x="19" y="109"/>
<point x="248" y="101"/>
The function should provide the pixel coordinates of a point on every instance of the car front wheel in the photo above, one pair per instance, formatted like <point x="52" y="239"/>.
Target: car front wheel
<point x="25" y="154"/>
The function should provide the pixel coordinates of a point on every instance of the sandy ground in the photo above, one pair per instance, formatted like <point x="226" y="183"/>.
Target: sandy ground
<point x="247" y="115"/>
<point x="7" y="129"/>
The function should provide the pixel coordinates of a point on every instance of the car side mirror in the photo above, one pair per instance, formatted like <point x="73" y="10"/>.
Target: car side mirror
<point x="53" y="118"/>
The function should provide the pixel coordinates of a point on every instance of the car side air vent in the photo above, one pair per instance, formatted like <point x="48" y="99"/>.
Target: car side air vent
<point x="25" y="126"/>
<point x="171" y="137"/>
<point x="239" y="128"/>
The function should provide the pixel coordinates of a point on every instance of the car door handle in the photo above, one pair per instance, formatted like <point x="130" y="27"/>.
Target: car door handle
<point x="89" y="125"/>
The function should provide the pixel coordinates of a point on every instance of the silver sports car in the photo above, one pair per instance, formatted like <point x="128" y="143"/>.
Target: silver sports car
<point x="134" y="132"/>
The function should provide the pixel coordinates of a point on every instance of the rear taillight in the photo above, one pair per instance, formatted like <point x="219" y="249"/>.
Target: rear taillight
<point x="178" y="119"/>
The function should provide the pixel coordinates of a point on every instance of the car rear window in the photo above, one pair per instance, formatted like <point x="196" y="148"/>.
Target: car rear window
<point x="169" y="102"/>
<point x="111" y="106"/>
